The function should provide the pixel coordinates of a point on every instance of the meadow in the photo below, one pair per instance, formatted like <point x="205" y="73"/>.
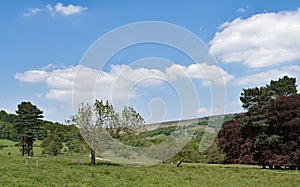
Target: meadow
<point x="74" y="170"/>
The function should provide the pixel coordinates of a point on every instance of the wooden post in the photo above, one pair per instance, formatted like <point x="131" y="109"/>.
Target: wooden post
<point x="37" y="163"/>
<point x="27" y="161"/>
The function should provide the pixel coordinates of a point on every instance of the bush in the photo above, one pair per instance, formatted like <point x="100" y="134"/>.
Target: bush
<point x="51" y="145"/>
<point x="214" y="154"/>
<point x="77" y="146"/>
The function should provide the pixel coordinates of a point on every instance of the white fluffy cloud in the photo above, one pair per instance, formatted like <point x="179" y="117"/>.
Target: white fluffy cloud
<point x="32" y="76"/>
<point x="209" y="75"/>
<point x="120" y="81"/>
<point x="67" y="10"/>
<point x="259" y="41"/>
<point x="263" y="78"/>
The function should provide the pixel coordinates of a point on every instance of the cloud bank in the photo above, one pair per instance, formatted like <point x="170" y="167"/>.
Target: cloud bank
<point x="120" y="79"/>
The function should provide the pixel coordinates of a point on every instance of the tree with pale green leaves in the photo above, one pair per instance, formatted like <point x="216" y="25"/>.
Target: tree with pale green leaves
<point x="101" y="125"/>
<point x="84" y="119"/>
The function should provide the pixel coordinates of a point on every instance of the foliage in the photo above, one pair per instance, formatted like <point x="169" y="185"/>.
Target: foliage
<point x="5" y="117"/>
<point x="190" y="152"/>
<point x="233" y="143"/>
<point x="254" y="137"/>
<point x="64" y="132"/>
<point x="164" y="130"/>
<point x="52" y="145"/>
<point x="132" y="120"/>
<point x="7" y="129"/>
<point x="101" y="124"/>
<point x="85" y="121"/>
<point x="10" y="129"/>
<point x="77" y="146"/>
<point x="280" y="143"/>
<point x="27" y="124"/>
<point x="131" y="125"/>
<point x="215" y="154"/>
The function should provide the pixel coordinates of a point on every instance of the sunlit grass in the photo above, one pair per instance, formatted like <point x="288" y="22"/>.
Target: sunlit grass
<point x="74" y="170"/>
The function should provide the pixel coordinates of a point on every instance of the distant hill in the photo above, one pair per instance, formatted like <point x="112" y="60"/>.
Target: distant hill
<point x="185" y="122"/>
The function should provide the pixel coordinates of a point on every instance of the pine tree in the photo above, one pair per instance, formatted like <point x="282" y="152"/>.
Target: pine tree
<point x="27" y="124"/>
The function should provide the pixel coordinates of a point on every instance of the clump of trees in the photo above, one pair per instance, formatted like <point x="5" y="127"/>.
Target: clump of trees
<point x="7" y="129"/>
<point x="280" y="144"/>
<point x="268" y="133"/>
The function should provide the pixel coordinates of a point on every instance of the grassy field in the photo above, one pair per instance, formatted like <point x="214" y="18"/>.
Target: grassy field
<point x="74" y="170"/>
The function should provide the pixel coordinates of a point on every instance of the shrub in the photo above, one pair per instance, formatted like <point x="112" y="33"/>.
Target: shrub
<point x="52" y="145"/>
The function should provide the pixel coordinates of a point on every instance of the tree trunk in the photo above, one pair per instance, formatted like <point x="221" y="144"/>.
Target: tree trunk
<point x="93" y="157"/>
<point x="23" y="149"/>
<point x="29" y="148"/>
<point x="23" y="146"/>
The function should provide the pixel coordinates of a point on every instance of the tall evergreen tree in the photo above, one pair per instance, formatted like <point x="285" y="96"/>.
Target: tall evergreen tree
<point x="27" y="123"/>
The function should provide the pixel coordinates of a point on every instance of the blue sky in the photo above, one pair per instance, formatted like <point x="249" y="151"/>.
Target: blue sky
<point x="43" y="42"/>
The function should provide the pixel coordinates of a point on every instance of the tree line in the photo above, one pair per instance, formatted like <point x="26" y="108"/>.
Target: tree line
<point x="28" y="126"/>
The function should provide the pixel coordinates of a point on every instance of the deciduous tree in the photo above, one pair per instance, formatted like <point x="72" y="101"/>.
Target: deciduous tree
<point x="254" y="136"/>
<point x="101" y="124"/>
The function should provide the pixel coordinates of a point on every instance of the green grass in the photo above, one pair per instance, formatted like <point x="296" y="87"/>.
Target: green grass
<point x="74" y="170"/>
<point x="15" y="151"/>
<point x="7" y="143"/>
